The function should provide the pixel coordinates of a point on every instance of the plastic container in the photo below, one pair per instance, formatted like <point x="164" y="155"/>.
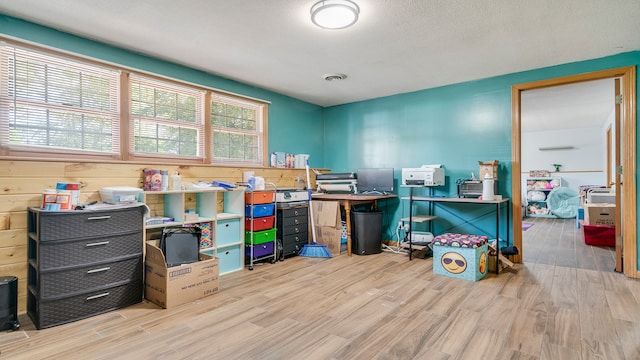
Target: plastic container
<point x="599" y="235"/>
<point x="260" y="197"/>
<point x="260" y="237"/>
<point x="73" y="189"/>
<point x="487" y="188"/>
<point x="165" y="180"/>
<point x="262" y="223"/>
<point x="176" y="182"/>
<point x="48" y="197"/>
<point x="9" y="303"/>
<point x="119" y="194"/>
<point x="152" y="180"/>
<point x="259" y="210"/>
<point x="63" y="198"/>
<point x="259" y="250"/>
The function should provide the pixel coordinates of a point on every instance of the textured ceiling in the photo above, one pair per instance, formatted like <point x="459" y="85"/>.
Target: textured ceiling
<point x="397" y="46"/>
<point x="581" y="105"/>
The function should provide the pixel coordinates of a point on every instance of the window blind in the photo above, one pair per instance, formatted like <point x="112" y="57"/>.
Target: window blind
<point x="47" y="102"/>
<point x="166" y="118"/>
<point x="237" y="130"/>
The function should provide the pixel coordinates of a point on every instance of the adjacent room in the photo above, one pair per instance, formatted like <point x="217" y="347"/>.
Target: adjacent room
<point x="330" y="179"/>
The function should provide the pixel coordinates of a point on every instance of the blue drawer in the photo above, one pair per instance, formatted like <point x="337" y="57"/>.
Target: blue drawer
<point x="259" y="210"/>
<point x="228" y="232"/>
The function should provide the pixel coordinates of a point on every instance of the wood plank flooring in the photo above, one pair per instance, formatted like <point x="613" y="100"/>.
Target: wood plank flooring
<point x="559" y="242"/>
<point x="564" y="302"/>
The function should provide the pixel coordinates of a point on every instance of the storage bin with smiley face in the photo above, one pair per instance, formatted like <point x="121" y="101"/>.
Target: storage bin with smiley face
<point x="460" y="256"/>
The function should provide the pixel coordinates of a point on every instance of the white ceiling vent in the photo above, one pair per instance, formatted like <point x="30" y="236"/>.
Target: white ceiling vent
<point x="334" y="76"/>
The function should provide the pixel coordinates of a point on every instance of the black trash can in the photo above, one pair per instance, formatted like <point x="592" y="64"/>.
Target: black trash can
<point x="366" y="232"/>
<point x="9" y="303"/>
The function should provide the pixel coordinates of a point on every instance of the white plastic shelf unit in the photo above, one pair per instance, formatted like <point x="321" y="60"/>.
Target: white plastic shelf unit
<point x="260" y="231"/>
<point x="538" y="189"/>
<point x="222" y="231"/>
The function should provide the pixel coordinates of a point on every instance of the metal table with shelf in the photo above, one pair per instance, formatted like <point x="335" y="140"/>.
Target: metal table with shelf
<point x="444" y="200"/>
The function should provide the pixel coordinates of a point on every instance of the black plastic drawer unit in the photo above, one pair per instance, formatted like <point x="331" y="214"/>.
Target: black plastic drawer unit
<point x="293" y="228"/>
<point x="83" y="263"/>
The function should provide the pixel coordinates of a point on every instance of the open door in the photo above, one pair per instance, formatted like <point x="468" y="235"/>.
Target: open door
<point x="617" y="176"/>
<point x="625" y="138"/>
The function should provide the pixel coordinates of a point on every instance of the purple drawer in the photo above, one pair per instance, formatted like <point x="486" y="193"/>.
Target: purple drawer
<point x="259" y="250"/>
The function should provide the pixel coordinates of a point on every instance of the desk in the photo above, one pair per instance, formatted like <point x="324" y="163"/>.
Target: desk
<point x="496" y="203"/>
<point x="348" y="200"/>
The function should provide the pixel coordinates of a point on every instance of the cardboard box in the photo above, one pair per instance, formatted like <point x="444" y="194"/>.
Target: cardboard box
<point x="328" y="224"/>
<point x="329" y="237"/>
<point x="170" y="287"/>
<point x="489" y="167"/>
<point x="600" y="214"/>
<point x="326" y="213"/>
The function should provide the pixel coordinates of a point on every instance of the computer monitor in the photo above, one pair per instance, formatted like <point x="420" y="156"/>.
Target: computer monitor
<point x="375" y="180"/>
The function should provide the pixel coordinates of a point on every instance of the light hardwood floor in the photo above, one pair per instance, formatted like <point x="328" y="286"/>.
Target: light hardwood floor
<point x="564" y="302"/>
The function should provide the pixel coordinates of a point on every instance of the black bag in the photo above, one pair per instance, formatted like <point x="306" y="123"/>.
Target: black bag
<point x="180" y="245"/>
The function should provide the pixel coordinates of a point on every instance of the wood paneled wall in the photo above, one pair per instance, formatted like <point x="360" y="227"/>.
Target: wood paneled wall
<point x="22" y="183"/>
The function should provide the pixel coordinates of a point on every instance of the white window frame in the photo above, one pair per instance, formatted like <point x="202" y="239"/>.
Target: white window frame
<point x="160" y="124"/>
<point x="123" y="121"/>
<point x="259" y="110"/>
<point x="45" y="112"/>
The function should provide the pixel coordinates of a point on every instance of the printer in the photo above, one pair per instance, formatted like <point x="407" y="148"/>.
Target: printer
<point x="423" y="176"/>
<point x="337" y="182"/>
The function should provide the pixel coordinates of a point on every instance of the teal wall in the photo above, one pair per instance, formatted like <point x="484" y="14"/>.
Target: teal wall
<point x="288" y="117"/>
<point x="456" y="126"/>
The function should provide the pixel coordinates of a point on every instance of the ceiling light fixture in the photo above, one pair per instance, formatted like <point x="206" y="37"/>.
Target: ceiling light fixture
<point x="334" y="14"/>
<point x="334" y="76"/>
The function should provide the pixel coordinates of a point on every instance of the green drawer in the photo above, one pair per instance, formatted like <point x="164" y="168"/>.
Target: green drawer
<point x="260" y="237"/>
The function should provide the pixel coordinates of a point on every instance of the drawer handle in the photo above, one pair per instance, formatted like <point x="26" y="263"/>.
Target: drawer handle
<point x="297" y="238"/>
<point x="297" y="230"/>
<point x="296" y="221"/>
<point x="93" y="271"/>
<point x="227" y="225"/>
<point x="295" y="212"/>
<point x="97" y="244"/>
<point x="99" y="217"/>
<point x="97" y="296"/>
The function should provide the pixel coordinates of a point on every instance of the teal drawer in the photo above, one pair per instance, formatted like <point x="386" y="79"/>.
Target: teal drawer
<point x="228" y="232"/>
<point x="230" y="258"/>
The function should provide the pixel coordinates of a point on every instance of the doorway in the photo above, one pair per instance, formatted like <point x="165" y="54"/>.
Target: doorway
<point x="628" y="241"/>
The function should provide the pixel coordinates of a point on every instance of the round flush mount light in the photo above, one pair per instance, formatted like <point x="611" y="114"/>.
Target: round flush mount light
<point x="334" y="14"/>
<point x="334" y="76"/>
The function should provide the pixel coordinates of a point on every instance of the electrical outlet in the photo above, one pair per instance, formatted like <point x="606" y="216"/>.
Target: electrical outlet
<point x="400" y="224"/>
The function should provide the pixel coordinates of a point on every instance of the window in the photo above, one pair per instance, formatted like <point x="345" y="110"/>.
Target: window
<point x="237" y="130"/>
<point x="50" y="104"/>
<point x="55" y="105"/>
<point x="167" y="119"/>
